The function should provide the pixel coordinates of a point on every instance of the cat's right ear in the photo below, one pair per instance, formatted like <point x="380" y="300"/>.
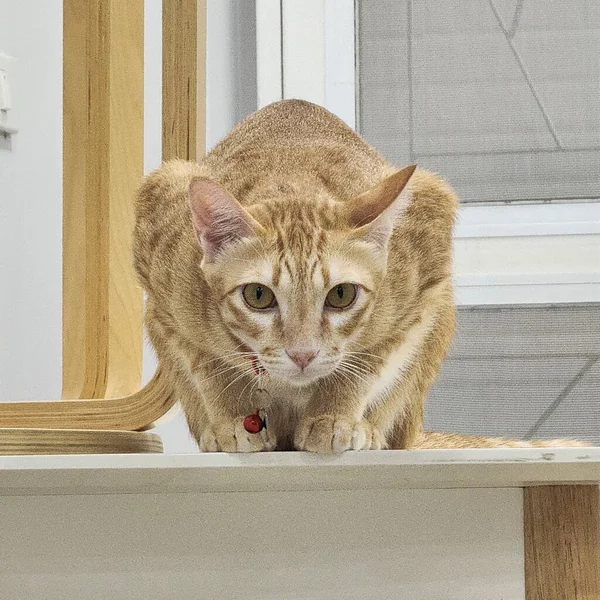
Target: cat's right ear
<point x="375" y="212"/>
<point x="219" y="219"/>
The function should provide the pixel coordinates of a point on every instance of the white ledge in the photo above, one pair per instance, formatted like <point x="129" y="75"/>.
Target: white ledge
<point x="294" y="471"/>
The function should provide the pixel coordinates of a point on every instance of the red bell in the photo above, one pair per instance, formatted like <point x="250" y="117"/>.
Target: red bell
<point x="254" y="423"/>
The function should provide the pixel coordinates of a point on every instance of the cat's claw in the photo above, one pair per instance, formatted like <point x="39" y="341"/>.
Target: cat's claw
<point x="230" y="436"/>
<point x="334" y="434"/>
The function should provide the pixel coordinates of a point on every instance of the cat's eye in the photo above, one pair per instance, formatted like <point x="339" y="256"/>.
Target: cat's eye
<point x="258" y="296"/>
<point x="341" y="296"/>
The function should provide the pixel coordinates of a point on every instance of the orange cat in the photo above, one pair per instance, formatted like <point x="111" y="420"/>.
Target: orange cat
<point x="296" y="271"/>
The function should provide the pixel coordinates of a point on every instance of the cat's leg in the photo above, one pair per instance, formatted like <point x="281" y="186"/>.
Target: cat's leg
<point x="396" y="421"/>
<point x="333" y="431"/>
<point x="347" y="416"/>
<point x="397" y="418"/>
<point x="215" y="405"/>
<point x="216" y="416"/>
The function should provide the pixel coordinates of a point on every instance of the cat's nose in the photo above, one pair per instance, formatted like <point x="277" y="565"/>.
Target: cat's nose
<point x="302" y="356"/>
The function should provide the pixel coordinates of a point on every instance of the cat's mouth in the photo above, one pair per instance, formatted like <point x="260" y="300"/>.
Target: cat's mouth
<point x="257" y="367"/>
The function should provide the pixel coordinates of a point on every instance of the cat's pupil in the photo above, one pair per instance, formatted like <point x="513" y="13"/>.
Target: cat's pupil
<point x="259" y="292"/>
<point x="340" y="291"/>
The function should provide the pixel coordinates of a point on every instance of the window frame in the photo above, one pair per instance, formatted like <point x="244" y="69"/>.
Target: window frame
<point x="318" y="63"/>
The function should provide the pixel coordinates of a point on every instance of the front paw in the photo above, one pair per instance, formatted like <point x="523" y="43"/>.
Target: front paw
<point x="335" y="434"/>
<point x="230" y="436"/>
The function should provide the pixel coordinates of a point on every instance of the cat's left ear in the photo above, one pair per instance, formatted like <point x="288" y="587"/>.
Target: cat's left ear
<point x="374" y="213"/>
<point x="219" y="219"/>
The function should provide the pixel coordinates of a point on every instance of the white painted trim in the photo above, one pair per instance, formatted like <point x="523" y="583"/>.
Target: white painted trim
<point x="340" y="67"/>
<point x="485" y="295"/>
<point x="303" y="48"/>
<point x="515" y="271"/>
<point x="536" y="288"/>
<point x="517" y="220"/>
<point x="527" y="279"/>
<point x="269" y="84"/>
<point x="296" y="471"/>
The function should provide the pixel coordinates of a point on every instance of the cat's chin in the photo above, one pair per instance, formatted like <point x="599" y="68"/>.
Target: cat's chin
<point x="297" y="380"/>
<point x="303" y="380"/>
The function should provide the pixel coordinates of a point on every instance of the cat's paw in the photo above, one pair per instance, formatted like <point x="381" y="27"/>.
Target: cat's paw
<point x="334" y="434"/>
<point x="230" y="436"/>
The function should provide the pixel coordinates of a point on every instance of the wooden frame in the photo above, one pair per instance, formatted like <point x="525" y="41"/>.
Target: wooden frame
<point x="562" y="542"/>
<point x="184" y="79"/>
<point x="103" y="119"/>
<point x="103" y="150"/>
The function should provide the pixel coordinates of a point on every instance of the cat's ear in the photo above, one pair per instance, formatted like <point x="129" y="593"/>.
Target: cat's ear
<point x="374" y="213"/>
<point x="219" y="219"/>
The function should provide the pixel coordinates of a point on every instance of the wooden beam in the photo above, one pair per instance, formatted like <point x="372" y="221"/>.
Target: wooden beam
<point x="129" y="413"/>
<point x="102" y="166"/>
<point x="63" y="441"/>
<point x="184" y="79"/>
<point x="562" y="542"/>
<point x="102" y="149"/>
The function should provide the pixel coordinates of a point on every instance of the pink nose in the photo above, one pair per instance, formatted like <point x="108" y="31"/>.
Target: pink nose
<point x="301" y="356"/>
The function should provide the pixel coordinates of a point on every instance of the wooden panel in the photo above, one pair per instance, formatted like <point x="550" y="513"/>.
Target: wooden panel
<point x="103" y="98"/>
<point x="184" y="79"/>
<point x="103" y="152"/>
<point x="75" y="137"/>
<point x="135" y="412"/>
<point x="77" y="441"/>
<point x="562" y="542"/>
<point x="323" y="545"/>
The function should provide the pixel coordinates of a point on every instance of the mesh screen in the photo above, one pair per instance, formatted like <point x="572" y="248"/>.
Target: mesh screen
<point x="503" y="98"/>
<point x="502" y="95"/>
<point x="526" y="371"/>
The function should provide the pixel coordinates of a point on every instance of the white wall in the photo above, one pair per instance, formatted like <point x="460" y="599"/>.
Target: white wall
<point x="31" y="177"/>
<point x="30" y="204"/>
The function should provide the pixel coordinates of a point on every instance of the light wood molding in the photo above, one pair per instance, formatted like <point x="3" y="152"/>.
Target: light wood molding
<point x="184" y="79"/>
<point x="62" y="441"/>
<point x="129" y="413"/>
<point x="103" y="143"/>
<point x="102" y="167"/>
<point x="562" y="542"/>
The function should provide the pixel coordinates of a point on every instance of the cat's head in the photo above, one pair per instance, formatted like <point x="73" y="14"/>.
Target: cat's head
<point x="295" y="277"/>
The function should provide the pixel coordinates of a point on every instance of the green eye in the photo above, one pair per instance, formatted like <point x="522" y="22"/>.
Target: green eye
<point x="341" y="296"/>
<point x="258" y="296"/>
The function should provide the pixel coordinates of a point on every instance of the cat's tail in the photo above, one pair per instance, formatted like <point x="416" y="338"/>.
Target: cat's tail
<point x="429" y="440"/>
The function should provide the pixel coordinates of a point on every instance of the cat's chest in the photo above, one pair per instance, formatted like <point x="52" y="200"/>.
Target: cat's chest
<point x="279" y="398"/>
<point x="283" y="408"/>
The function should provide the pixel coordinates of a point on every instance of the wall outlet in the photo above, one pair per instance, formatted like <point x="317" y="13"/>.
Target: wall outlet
<point x="7" y="97"/>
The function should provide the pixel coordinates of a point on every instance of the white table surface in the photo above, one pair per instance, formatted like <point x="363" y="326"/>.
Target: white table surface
<point x="295" y="471"/>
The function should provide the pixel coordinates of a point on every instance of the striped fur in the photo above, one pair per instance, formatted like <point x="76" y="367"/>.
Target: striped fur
<point x="295" y="200"/>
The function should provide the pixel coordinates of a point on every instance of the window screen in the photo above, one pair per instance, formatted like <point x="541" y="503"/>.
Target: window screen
<point x="501" y="96"/>
<point x="526" y="371"/>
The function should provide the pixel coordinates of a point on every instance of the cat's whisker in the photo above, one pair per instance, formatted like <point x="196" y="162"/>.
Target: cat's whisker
<point x="242" y="374"/>
<point x="355" y="368"/>
<point x="370" y="373"/>
<point x="216" y="358"/>
<point x="241" y="397"/>
<point x="345" y="367"/>
<point x="222" y="372"/>
<point x="365" y="367"/>
<point x="224" y="358"/>
<point x="227" y="360"/>
<point x="340" y="375"/>
<point x="365" y="354"/>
